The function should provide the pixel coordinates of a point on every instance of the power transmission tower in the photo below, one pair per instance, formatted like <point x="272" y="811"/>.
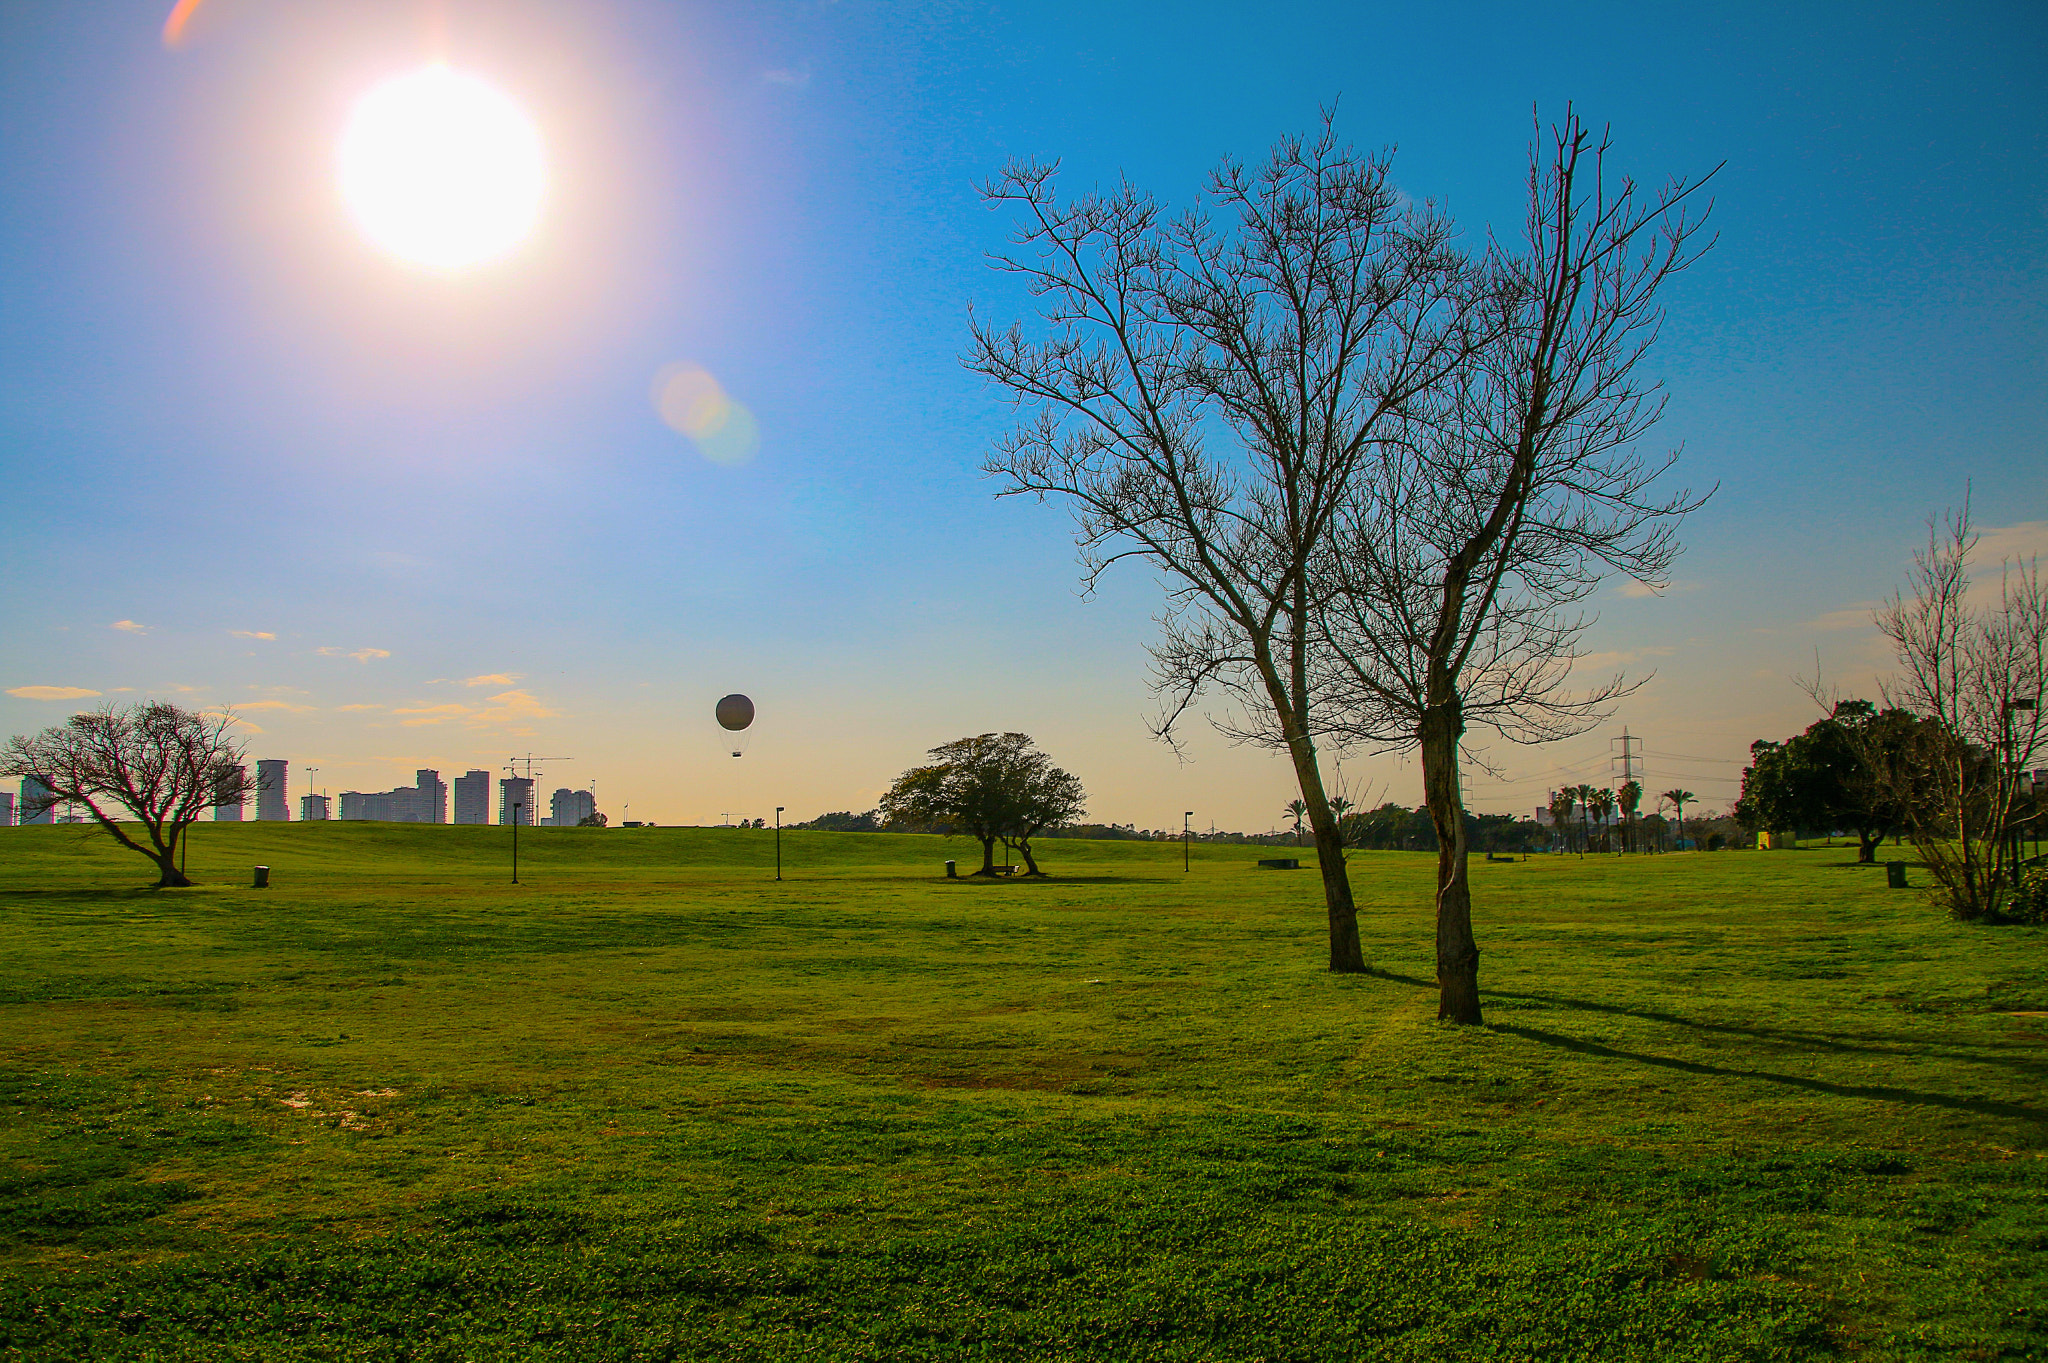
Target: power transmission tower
<point x="1630" y="757"/>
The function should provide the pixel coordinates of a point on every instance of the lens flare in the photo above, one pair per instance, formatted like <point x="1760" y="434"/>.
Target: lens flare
<point x="693" y="403"/>
<point x="442" y="170"/>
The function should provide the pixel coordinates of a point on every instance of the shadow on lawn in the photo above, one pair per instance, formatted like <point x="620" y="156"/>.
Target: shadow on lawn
<point x="1864" y="1044"/>
<point x="1983" y="1107"/>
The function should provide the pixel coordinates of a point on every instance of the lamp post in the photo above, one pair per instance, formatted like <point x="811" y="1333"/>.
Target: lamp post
<point x="1185" y="835"/>
<point x="778" y="842"/>
<point x="516" y="807"/>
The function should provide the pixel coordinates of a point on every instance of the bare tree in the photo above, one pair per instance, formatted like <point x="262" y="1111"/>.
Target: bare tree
<point x="1509" y="494"/>
<point x="1203" y="393"/>
<point x="1974" y="677"/>
<point x="155" y="763"/>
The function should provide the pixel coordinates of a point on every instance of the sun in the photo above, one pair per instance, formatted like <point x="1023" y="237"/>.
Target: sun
<point x="442" y="170"/>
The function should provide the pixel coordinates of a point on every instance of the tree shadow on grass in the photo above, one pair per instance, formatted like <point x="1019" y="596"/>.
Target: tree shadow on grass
<point x="1983" y="1107"/>
<point x="1861" y="1045"/>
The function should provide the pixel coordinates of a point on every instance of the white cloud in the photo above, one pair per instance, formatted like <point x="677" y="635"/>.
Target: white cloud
<point x="2028" y="539"/>
<point x="51" y="692"/>
<point x="361" y="655"/>
<point x="129" y="627"/>
<point x="251" y="634"/>
<point x="278" y="705"/>
<point x="492" y="679"/>
<point x="359" y="707"/>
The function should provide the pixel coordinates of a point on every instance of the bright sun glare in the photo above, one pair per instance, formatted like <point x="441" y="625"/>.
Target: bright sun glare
<point x="440" y="169"/>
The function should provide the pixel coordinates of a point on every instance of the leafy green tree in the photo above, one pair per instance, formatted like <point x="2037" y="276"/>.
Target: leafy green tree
<point x="991" y="787"/>
<point x="1840" y="773"/>
<point x="1296" y="809"/>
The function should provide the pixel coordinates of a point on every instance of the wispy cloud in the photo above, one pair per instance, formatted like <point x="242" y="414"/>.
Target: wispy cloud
<point x="129" y="627"/>
<point x="1848" y="617"/>
<point x="1632" y="588"/>
<point x="361" y="655"/>
<point x="51" y="692"/>
<point x="790" y="77"/>
<point x="505" y="708"/>
<point x="1600" y="662"/>
<point x="493" y="679"/>
<point x="284" y="705"/>
<point x="433" y="714"/>
<point x="359" y="707"/>
<point x="2028" y="539"/>
<point x="251" y="634"/>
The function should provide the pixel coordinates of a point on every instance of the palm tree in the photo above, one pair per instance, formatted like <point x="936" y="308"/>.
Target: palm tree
<point x="1297" y="809"/>
<point x="1603" y="811"/>
<point x="1339" y="807"/>
<point x="1677" y="799"/>
<point x="1561" y="814"/>
<point x="1585" y="796"/>
<point x="1631" y="796"/>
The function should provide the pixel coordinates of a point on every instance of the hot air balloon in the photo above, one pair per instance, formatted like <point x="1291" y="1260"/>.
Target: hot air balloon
<point x="735" y="712"/>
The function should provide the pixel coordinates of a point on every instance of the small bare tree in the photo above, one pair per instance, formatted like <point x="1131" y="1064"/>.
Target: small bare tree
<point x="1974" y="676"/>
<point x="1507" y="497"/>
<point x="1203" y="394"/>
<point x="157" y="764"/>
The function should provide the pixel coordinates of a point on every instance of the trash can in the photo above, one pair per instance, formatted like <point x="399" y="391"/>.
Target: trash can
<point x="262" y="878"/>
<point x="952" y="871"/>
<point x="1895" y="875"/>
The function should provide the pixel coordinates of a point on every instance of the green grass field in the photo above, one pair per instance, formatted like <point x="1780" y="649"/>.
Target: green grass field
<point x="652" y="1105"/>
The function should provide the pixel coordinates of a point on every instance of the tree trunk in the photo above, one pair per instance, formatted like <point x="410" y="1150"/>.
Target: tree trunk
<point x="988" y="858"/>
<point x="169" y="877"/>
<point x="1023" y="846"/>
<point x="1867" y="841"/>
<point x="1457" y="952"/>
<point x="1346" y="956"/>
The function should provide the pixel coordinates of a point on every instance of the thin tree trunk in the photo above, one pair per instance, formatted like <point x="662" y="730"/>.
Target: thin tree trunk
<point x="1346" y="955"/>
<point x="1457" y="951"/>
<point x="1023" y="846"/>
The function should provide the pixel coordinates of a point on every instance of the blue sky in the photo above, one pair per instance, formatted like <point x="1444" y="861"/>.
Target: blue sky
<point x="224" y="415"/>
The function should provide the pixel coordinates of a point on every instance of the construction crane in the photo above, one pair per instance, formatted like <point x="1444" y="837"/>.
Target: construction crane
<point x="532" y="775"/>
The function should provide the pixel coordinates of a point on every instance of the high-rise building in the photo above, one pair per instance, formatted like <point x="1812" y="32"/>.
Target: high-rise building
<point x="6" y="809"/>
<point x="271" y="804"/>
<point x="229" y="792"/>
<point x="313" y="809"/>
<point x="433" y="796"/>
<point x="425" y="801"/>
<point x="36" y="804"/>
<point x="473" y="797"/>
<point x="515" y="800"/>
<point x="569" y="808"/>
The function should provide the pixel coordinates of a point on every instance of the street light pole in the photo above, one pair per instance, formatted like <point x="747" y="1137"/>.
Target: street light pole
<point x="778" y="842"/>
<point x="1185" y="834"/>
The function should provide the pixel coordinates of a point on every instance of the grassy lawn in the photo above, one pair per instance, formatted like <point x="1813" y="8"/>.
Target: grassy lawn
<point x="652" y="1105"/>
